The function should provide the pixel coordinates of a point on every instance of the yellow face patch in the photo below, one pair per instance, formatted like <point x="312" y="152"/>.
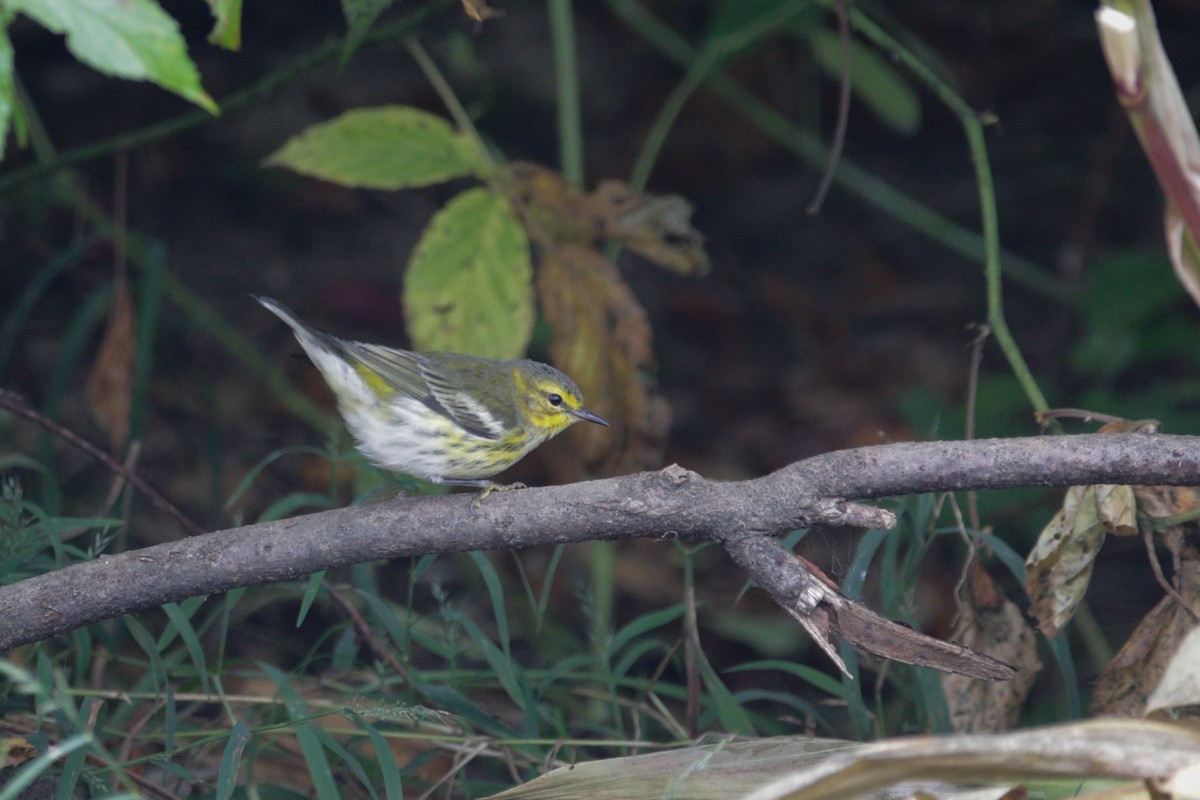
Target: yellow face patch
<point x="547" y="405"/>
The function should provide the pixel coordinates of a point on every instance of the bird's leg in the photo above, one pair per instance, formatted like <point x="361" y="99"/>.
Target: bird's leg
<point x="487" y="486"/>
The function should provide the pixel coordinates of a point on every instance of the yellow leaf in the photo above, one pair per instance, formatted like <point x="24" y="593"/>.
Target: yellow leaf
<point x="469" y="286"/>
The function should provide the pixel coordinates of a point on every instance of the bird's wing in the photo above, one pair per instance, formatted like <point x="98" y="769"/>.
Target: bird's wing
<point x="398" y="369"/>
<point x="465" y="408"/>
<point x="411" y="375"/>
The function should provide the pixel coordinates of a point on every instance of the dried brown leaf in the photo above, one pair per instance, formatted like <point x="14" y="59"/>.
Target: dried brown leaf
<point x="656" y="227"/>
<point x="479" y="10"/>
<point x="991" y="623"/>
<point x="1180" y="684"/>
<point x="602" y="339"/>
<point x="110" y="384"/>
<point x="1182" y="540"/>
<point x="16" y="750"/>
<point x="1060" y="564"/>
<point x="1130" y="426"/>
<point x="1117" y="509"/>
<point x="1137" y="668"/>
<point x="553" y="208"/>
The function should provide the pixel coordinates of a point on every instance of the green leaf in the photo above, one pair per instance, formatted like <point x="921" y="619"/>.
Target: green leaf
<point x="7" y="98"/>
<point x="227" y="31"/>
<point x="133" y="39"/>
<point x="469" y="285"/>
<point x="390" y="147"/>
<point x="360" y="16"/>
<point x="873" y="79"/>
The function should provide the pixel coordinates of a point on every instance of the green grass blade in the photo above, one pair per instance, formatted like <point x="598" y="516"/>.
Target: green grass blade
<point x="932" y="699"/>
<point x="852" y="585"/>
<point x="145" y="640"/>
<point x="814" y="677"/>
<point x="231" y="761"/>
<point x="633" y="654"/>
<point x="447" y="698"/>
<point x="310" y="594"/>
<point x="306" y="735"/>
<point x="856" y="708"/>
<point x="563" y="668"/>
<point x="171" y="719"/>
<point x="399" y="630"/>
<point x="510" y="676"/>
<point x="393" y="788"/>
<point x="228" y="603"/>
<point x="248" y="480"/>
<point x="179" y="621"/>
<point x="73" y="764"/>
<point x="290" y="503"/>
<point x="37" y="286"/>
<point x="81" y="654"/>
<point x="644" y="624"/>
<point x="347" y="758"/>
<point x="731" y="714"/>
<point x="491" y="580"/>
<point x="551" y="569"/>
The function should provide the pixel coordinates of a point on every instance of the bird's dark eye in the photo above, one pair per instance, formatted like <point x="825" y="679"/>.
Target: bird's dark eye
<point x="555" y="399"/>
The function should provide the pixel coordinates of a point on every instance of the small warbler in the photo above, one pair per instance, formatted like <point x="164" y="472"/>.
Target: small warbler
<point x="446" y="417"/>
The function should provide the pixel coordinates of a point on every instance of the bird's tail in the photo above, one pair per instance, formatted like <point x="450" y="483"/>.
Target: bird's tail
<point x="308" y="336"/>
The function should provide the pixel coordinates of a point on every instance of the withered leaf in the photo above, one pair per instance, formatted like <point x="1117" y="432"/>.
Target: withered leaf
<point x="110" y="384"/>
<point x="479" y="10"/>
<point x="1060" y="564"/>
<point x="16" y="750"/>
<point x="1127" y="682"/>
<point x="990" y="623"/>
<point x="656" y="227"/>
<point x="1180" y="684"/>
<point x="1171" y="501"/>
<point x="602" y="339"/>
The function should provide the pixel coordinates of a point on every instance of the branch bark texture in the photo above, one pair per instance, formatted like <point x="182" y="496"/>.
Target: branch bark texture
<point x="670" y="503"/>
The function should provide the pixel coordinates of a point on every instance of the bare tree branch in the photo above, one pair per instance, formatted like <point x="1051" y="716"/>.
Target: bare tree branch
<point x="670" y="503"/>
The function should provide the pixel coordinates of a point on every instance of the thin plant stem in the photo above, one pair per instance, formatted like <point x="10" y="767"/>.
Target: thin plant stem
<point x="838" y="141"/>
<point x="697" y="73"/>
<point x="973" y="128"/>
<point x="867" y="187"/>
<point x="449" y="99"/>
<point x="15" y="404"/>
<point x="566" y="77"/>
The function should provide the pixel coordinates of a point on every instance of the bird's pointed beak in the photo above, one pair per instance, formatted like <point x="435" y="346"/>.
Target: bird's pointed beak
<point x="583" y="413"/>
